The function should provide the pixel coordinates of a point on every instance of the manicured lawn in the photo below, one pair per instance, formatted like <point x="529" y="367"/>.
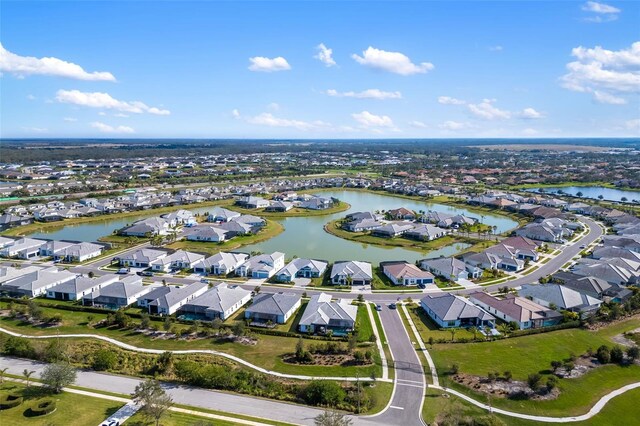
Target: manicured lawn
<point x="435" y="403"/>
<point x="270" y="230"/>
<point x="427" y="328"/>
<point x="266" y="353"/>
<point x="71" y="409"/>
<point x="381" y="393"/>
<point x="173" y="418"/>
<point x="365" y="328"/>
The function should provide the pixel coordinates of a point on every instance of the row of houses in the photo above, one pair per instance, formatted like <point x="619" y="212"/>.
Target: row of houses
<point x="59" y="251"/>
<point x="285" y="201"/>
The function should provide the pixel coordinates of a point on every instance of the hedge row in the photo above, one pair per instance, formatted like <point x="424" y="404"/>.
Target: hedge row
<point x="10" y="401"/>
<point x="43" y="407"/>
<point x="569" y="324"/>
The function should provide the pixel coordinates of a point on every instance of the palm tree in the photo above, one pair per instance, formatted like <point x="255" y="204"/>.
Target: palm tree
<point x="453" y="332"/>
<point x="505" y="329"/>
<point x="579" y="194"/>
<point x="474" y="331"/>
<point x="27" y="375"/>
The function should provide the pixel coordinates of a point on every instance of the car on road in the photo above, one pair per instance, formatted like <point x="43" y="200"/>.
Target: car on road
<point x="112" y="422"/>
<point x="123" y="271"/>
<point x="145" y="273"/>
<point x="583" y="246"/>
<point x="393" y="306"/>
<point x="378" y="308"/>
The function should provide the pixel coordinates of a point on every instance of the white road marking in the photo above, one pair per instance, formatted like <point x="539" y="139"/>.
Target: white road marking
<point x="397" y="408"/>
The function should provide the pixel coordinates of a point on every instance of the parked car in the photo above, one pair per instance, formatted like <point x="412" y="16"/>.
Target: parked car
<point x="123" y="271"/>
<point x="378" y="308"/>
<point x="393" y="306"/>
<point x="422" y="286"/>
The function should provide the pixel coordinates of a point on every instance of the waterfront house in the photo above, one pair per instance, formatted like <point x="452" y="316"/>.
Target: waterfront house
<point x="302" y="268"/>
<point x="180" y="259"/>
<point x="207" y="233"/>
<point x="221" y="263"/>
<point x="23" y="248"/>
<point x="405" y="273"/>
<point x="351" y="273"/>
<point x="261" y="266"/>
<point x="220" y="214"/>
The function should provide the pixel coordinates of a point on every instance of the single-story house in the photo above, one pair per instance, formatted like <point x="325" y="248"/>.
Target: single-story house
<point x="425" y="232"/>
<point x="221" y="301"/>
<point x="450" y="310"/>
<point x="36" y="282"/>
<point x="151" y="226"/>
<point x="220" y="214"/>
<point x="119" y="294"/>
<point x="279" y="206"/>
<point x="519" y="310"/>
<point x="251" y="202"/>
<point x="209" y="233"/>
<point x="79" y="287"/>
<point x="405" y="273"/>
<point x="302" y="268"/>
<point x="24" y="248"/>
<point x="221" y="263"/>
<point x="274" y="307"/>
<point x="180" y="259"/>
<point x="180" y="217"/>
<point x="390" y="230"/>
<point x="562" y="297"/>
<point x="451" y="268"/>
<point x="71" y="252"/>
<point x="323" y="315"/>
<point x="351" y="273"/>
<point x="141" y="258"/>
<point x="176" y="297"/>
<point x="401" y="214"/>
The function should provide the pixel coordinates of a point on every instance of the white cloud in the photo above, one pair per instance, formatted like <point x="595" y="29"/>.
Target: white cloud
<point x="366" y="94"/>
<point x="70" y="119"/>
<point x="104" y="100"/>
<point x="102" y="113"/>
<point x="530" y="113"/>
<point x="22" y="66"/>
<point x="418" y="124"/>
<point x="366" y="119"/>
<point x="447" y="100"/>
<point x="105" y="128"/>
<point x="269" y="120"/>
<point x="31" y="97"/>
<point x="121" y="115"/>
<point x="235" y="113"/>
<point x="273" y="106"/>
<point x="496" y="48"/>
<point x="35" y="129"/>
<point x="394" y="62"/>
<point x="600" y="72"/>
<point x="633" y="124"/>
<point x="608" y="98"/>
<point x="454" y="125"/>
<point x="486" y="110"/>
<point x="600" y="12"/>
<point x="262" y="64"/>
<point x="325" y="55"/>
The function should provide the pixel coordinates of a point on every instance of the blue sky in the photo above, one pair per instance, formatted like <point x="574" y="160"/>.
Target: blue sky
<point x="255" y="69"/>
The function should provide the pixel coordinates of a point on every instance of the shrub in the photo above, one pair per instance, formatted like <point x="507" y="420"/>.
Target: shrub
<point x="19" y="346"/>
<point x="10" y="401"/>
<point x="534" y="381"/>
<point x="617" y="354"/>
<point x="104" y="359"/>
<point x="603" y="354"/>
<point x="43" y="407"/>
<point x="323" y="392"/>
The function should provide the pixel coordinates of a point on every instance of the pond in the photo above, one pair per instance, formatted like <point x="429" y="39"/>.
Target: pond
<point x="305" y="236"/>
<point x="593" y="192"/>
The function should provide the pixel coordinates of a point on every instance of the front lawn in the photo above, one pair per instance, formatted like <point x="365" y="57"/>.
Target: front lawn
<point x="427" y="328"/>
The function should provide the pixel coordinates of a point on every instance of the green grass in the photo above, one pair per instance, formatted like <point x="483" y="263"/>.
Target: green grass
<point x="71" y="409"/>
<point x="435" y="403"/>
<point x="381" y="393"/>
<point x="173" y="418"/>
<point x="270" y="230"/>
<point x="428" y="328"/>
<point x="267" y="353"/>
<point x="365" y="328"/>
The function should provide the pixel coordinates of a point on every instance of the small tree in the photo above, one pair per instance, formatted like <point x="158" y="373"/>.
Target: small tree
<point x="431" y="341"/>
<point x="35" y="311"/>
<point x="152" y="399"/>
<point x="331" y="418"/>
<point x="27" y="375"/>
<point x="507" y="375"/>
<point x="603" y="354"/>
<point x="353" y="341"/>
<point x="104" y="359"/>
<point x="55" y="351"/>
<point x="633" y="353"/>
<point x="239" y="329"/>
<point x="534" y="381"/>
<point x="552" y="382"/>
<point x="166" y="325"/>
<point x="454" y="369"/>
<point x="300" y="349"/>
<point x="555" y="365"/>
<point x="57" y="376"/>
<point x="617" y="354"/>
<point x="145" y="321"/>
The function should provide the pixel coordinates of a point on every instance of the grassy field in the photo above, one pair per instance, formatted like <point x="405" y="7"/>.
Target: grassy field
<point x="267" y="353"/>
<point x="71" y="409"/>
<point x="365" y="328"/>
<point x="270" y="230"/>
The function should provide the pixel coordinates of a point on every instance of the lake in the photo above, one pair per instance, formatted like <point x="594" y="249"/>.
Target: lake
<point x="609" y="194"/>
<point x="305" y="236"/>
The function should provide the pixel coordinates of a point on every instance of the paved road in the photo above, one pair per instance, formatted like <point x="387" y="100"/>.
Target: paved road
<point x="408" y="395"/>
